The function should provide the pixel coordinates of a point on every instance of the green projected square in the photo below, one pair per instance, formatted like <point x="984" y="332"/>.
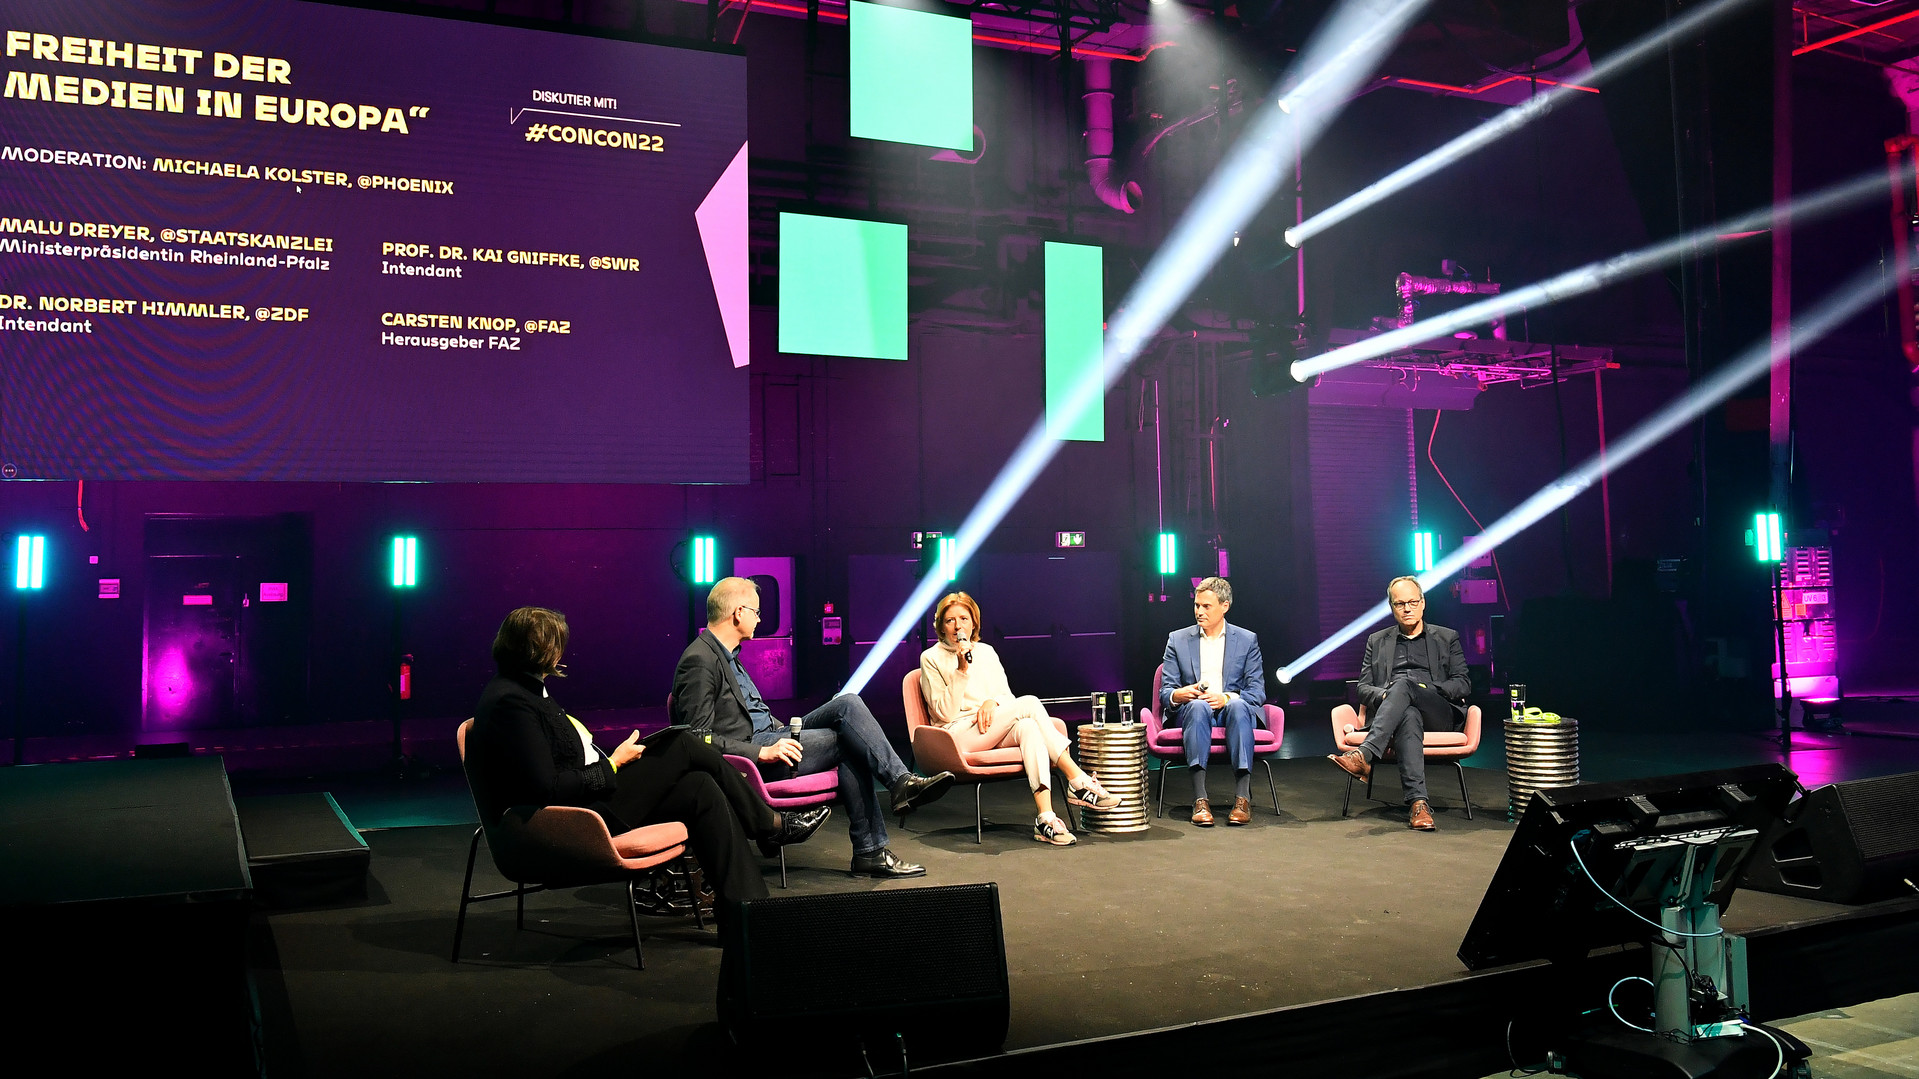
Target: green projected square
<point x="1075" y="338"/>
<point x="910" y="76"/>
<point x="842" y="287"/>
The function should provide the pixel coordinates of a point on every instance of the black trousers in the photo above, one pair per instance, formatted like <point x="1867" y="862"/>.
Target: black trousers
<point x="1401" y="721"/>
<point x="681" y="778"/>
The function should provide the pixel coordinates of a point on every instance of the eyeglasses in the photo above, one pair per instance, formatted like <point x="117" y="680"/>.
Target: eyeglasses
<point x="1408" y="604"/>
<point x="755" y="610"/>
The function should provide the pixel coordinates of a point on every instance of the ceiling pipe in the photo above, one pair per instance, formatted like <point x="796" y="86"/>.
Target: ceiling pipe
<point x="1120" y="194"/>
<point x="1411" y="286"/>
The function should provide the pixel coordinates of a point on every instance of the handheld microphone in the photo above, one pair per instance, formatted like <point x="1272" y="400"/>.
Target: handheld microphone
<point x="968" y="654"/>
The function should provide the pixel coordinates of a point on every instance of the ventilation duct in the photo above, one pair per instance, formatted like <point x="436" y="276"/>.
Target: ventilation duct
<point x="1121" y="195"/>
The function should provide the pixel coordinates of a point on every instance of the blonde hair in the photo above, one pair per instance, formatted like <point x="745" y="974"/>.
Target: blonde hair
<point x="728" y="595"/>
<point x="952" y="599"/>
<point x="1414" y="581"/>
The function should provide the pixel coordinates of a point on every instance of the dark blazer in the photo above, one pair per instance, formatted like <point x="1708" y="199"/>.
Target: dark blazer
<point x="523" y="751"/>
<point x="1444" y="659"/>
<point x="1242" y="667"/>
<point x="706" y="698"/>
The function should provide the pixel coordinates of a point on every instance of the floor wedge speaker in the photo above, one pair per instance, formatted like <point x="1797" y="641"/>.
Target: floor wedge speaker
<point x="928" y="964"/>
<point x="1853" y="842"/>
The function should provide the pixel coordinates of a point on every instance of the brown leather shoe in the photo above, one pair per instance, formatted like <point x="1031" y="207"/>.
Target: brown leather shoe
<point x="1242" y="812"/>
<point x="1202" y="814"/>
<point x="1353" y="762"/>
<point x="1422" y="817"/>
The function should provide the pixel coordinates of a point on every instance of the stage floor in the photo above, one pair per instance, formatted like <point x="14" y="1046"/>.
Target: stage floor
<point x="351" y="761"/>
<point x="1171" y="926"/>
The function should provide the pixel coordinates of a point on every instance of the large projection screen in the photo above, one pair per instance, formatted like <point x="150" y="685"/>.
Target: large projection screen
<point x="277" y="240"/>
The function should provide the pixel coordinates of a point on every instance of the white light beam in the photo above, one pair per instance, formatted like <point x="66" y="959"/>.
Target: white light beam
<point x="1848" y="300"/>
<point x="1534" y="108"/>
<point x="1592" y="276"/>
<point x="1340" y="56"/>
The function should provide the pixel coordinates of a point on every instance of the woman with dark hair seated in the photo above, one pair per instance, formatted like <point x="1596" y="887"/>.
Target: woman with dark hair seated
<point x="525" y="750"/>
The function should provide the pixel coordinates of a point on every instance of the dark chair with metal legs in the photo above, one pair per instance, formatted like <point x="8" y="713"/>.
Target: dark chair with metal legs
<point x="543" y="848"/>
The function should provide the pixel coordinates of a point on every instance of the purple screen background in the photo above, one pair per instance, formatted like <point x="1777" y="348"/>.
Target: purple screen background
<point x="643" y="389"/>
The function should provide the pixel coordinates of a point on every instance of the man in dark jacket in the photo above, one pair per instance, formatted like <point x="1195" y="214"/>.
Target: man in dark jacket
<point x="525" y="751"/>
<point x="1413" y="680"/>
<point x="713" y="694"/>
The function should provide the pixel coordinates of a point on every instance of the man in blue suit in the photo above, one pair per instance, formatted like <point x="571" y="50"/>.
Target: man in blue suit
<point x="1212" y="676"/>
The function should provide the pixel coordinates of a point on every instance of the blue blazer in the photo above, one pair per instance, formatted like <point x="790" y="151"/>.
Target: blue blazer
<point x="1244" y="672"/>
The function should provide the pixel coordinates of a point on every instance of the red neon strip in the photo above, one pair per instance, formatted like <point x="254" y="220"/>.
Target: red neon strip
<point x="1053" y="48"/>
<point x="1488" y="86"/>
<point x="1853" y="33"/>
<point x="796" y="9"/>
<point x="1428" y="85"/>
<point x="1041" y="46"/>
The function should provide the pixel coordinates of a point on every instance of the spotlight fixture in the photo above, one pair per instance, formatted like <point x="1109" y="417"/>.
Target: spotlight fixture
<point x="1596" y="275"/>
<point x="1338" y="58"/>
<point x="1537" y="107"/>
<point x="1863" y="290"/>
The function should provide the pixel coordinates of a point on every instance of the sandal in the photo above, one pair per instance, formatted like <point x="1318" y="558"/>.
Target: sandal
<point x="1091" y="795"/>
<point x="1050" y="829"/>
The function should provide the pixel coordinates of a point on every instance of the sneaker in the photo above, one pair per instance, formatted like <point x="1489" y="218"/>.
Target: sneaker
<point x="1092" y="795"/>
<point x="1050" y="829"/>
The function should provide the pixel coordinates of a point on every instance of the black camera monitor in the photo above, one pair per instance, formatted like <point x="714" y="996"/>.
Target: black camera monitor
<point x="1628" y="838"/>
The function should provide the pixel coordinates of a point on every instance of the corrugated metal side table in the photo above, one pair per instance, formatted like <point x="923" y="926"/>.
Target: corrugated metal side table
<point x="1116" y="754"/>
<point x="1540" y="753"/>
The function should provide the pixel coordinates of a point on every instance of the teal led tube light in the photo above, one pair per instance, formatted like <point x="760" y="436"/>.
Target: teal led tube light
<point x="406" y="553"/>
<point x="1422" y="551"/>
<point x="30" y="563"/>
<point x="706" y="560"/>
<point x="1766" y="537"/>
<point x="949" y="565"/>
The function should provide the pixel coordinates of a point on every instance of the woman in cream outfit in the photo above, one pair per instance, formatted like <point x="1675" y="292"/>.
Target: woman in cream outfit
<point x="966" y="693"/>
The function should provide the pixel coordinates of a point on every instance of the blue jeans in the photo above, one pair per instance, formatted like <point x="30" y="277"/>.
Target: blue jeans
<point x="1196" y="717"/>
<point x="843" y="734"/>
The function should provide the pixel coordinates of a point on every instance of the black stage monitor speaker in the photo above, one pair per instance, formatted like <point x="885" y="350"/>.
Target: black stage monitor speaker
<point x="1580" y="852"/>
<point x="1850" y="842"/>
<point x="925" y="963"/>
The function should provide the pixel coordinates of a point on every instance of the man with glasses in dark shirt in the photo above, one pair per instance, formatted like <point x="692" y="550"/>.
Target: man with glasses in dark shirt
<point x="713" y="693"/>
<point x="1413" y="680"/>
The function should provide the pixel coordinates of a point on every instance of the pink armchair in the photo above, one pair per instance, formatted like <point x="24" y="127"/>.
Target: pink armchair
<point x="1166" y="743"/>
<point x="934" y="750"/>
<point x="566" y="847"/>
<point x="1452" y="747"/>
